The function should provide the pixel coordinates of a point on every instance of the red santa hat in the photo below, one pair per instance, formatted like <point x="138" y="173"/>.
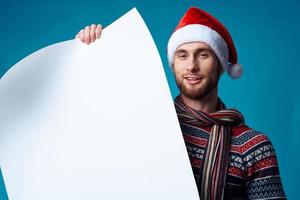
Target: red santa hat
<point x="199" y="26"/>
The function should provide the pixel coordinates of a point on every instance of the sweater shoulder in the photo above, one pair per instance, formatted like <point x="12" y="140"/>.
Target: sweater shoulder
<point x="239" y="130"/>
<point x="247" y="139"/>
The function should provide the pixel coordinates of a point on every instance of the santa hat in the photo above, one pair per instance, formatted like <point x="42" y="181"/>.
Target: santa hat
<point x="199" y="26"/>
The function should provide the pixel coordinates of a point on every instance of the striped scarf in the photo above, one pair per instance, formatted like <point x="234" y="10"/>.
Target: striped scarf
<point x="217" y="152"/>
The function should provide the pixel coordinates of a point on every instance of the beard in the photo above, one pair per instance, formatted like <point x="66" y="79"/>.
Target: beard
<point x="198" y="91"/>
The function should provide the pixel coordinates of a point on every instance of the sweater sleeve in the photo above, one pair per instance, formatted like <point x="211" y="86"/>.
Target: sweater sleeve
<point x="262" y="172"/>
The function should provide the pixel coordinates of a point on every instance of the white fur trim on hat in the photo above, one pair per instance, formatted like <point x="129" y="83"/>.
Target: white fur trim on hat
<point x="199" y="33"/>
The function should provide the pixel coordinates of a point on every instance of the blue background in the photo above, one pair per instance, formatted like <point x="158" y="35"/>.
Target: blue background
<point x="266" y="35"/>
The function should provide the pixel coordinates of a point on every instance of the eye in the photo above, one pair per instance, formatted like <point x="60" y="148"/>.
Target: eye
<point x="181" y="55"/>
<point x="203" y="55"/>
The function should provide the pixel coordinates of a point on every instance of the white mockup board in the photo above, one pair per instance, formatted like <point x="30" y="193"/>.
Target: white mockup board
<point x="93" y="122"/>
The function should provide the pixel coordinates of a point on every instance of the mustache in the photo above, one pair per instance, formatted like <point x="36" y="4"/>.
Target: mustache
<point x="193" y="75"/>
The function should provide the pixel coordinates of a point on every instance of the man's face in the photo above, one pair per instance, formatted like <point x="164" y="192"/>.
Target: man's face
<point x="197" y="70"/>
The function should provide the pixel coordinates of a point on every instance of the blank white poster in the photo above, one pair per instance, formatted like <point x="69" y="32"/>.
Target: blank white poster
<point x="93" y="122"/>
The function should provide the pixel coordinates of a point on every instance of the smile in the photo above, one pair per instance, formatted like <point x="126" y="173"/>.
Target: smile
<point x="193" y="79"/>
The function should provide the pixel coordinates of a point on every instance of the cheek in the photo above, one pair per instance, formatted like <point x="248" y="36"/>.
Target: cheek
<point x="177" y="68"/>
<point x="177" y="74"/>
<point x="180" y="64"/>
<point x="212" y="67"/>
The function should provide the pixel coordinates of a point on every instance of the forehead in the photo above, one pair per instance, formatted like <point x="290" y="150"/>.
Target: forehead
<point x="193" y="46"/>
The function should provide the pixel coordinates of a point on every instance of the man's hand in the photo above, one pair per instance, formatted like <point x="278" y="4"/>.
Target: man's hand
<point x="90" y="33"/>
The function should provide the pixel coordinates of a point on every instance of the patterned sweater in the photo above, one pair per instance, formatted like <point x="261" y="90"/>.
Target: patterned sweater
<point x="253" y="169"/>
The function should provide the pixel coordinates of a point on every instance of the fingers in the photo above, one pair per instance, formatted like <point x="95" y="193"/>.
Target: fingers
<point x="80" y="35"/>
<point x="87" y="38"/>
<point x="98" y="31"/>
<point x="90" y="33"/>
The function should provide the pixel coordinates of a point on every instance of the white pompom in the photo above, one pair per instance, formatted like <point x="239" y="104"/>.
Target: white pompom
<point x="235" y="71"/>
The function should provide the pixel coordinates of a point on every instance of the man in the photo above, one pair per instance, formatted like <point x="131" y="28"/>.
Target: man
<point x="229" y="159"/>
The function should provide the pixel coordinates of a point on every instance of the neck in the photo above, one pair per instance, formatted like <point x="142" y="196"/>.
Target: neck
<point x="206" y="104"/>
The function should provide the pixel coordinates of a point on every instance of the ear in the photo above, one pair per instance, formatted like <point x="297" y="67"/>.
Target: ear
<point x="172" y="68"/>
<point x="220" y="69"/>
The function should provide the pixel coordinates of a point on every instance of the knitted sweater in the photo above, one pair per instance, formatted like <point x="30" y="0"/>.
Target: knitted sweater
<point x="253" y="169"/>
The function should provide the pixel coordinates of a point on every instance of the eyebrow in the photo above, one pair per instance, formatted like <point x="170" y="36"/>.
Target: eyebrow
<point x="196" y="51"/>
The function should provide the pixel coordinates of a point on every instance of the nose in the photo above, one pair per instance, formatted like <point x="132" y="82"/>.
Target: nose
<point x="192" y="65"/>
